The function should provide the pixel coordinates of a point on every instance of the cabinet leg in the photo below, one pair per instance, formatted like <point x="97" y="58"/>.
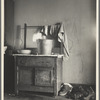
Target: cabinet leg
<point x="16" y="92"/>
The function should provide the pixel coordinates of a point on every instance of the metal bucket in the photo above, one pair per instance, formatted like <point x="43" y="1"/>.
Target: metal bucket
<point x="45" y="46"/>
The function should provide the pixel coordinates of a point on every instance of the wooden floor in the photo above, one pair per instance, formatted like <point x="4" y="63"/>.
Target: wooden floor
<point x="35" y="97"/>
<point x="9" y="95"/>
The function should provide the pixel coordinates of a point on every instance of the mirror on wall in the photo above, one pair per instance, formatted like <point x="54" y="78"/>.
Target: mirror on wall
<point x="33" y="33"/>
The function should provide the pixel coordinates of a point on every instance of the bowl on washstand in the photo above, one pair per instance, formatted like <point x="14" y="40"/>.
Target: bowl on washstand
<point x="24" y="51"/>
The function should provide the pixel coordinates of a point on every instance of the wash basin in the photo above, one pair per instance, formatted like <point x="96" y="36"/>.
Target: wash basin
<point x="24" y="51"/>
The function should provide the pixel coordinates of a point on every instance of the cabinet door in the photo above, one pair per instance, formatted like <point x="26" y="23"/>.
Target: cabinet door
<point x="43" y="77"/>
<point x="26" y="75"/>
<point x="35" y="76"/>
<point x="34" y="79"/>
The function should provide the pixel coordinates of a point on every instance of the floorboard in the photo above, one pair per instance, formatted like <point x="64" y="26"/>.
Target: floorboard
<point x="37" y="97"/>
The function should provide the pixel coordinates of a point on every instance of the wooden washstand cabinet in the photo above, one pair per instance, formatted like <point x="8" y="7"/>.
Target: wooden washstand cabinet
<point x="38" y="73"/>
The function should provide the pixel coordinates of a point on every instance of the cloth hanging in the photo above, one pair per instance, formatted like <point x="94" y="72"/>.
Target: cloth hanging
<point x="62" y="37"/>
<point x="53" y="30"/>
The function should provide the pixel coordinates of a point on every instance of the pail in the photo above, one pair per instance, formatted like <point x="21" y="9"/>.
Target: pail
<point x="45" y="46"/>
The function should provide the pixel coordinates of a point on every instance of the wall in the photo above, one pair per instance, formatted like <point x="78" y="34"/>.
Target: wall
<point x="79" y="19"/>
<point x="9" y="23"/>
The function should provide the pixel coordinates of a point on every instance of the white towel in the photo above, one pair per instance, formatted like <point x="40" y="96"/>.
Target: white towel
<point x="62" y="37"/>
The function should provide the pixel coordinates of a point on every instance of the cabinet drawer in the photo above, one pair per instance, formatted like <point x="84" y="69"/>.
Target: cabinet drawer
<point x="36" y="61"/>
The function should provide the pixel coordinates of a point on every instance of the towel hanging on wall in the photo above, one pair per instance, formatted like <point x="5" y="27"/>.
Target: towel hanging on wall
<point x="62" y="37"/>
